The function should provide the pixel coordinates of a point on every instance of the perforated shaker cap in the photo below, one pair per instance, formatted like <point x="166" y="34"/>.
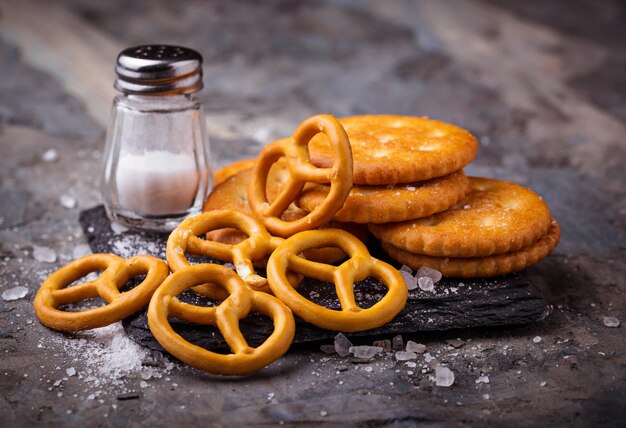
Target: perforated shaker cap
<point x="158" y="70"/>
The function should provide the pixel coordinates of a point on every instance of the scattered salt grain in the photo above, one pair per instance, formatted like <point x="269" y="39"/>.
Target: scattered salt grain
<point x="405" y="268"/>
<point x="80" y="251"/>
<point x="482" y="379"/>
<point x="411" y="364"/>
<point x="537" y="339"/>
<point x="50" y="155"/>
<point x="418" y="348"/>
<point x="70" y="371"/>
<point x="426" y="283"/>
<point x="323" y="413"/>
<point x="611" y="322"/>
<point x="428" y="272"/>
<point x="365" y="352"/>
<point x="67" y="201"/>
<point x="44" y="254"/>
<point x="544" y="383"/>
<point x="342" y="345"/>
<point x="385" y="344"/>
<point x="444" y="376"/>
<point x="397" y="343"/>
<point x="143" y="384"/>
<point x="118" y="228"/>
<point x="405" y="356"/>
<point x="409" y="280"/>
<point x="14" y="293"/>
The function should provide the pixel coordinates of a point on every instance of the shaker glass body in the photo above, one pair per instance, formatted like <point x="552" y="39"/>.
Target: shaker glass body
<point x="157" y="162"/>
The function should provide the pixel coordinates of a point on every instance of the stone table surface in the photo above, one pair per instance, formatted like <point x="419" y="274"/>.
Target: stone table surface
<point x="541" y="84"/>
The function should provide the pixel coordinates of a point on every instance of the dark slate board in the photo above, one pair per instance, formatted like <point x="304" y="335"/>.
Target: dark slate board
<point x="464" y="303"/>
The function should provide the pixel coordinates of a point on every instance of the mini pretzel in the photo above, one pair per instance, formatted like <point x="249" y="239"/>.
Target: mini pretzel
<point x="359" y="266"/>
<point x="301" y="170"/>
<point x="116" y="272"/>
<point x="258" y="244"/>
<point x="240" y="302"/>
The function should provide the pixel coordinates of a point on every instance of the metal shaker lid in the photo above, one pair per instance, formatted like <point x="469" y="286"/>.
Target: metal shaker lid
<point x="158" y="70"/>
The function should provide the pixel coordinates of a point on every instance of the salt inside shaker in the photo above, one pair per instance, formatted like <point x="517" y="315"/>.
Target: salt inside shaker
<point x="157" y="162"/>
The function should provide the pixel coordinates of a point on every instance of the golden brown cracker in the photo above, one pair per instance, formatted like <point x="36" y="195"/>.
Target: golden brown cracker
<point x="495" y="217"/>
<point x="385" y="204"/>
<point x="229" y="170"/>
<point x="390" y="149"/>
<point x="475" y="267"/>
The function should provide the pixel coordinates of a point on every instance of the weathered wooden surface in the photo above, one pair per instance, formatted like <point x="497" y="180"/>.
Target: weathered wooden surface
<point x="541" y="84"/>
<point x="510" y="300"/>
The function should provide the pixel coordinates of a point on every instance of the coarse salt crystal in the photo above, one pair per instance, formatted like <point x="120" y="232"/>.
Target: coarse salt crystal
<point x="409" y="280"/>
<point x="405" y="356"/>
<point x="365" y="352"/>
<point x="444" y="376"/>
<point x="70" y="371"/>
<point x="482" y="379"/>
<point x="44" y="254"/>
<point x="426" y="284"/>
<point x="418" y="348"/>
<point x="50" y="155"/>
<point x="118" y="228"/>
<point x="342" y="345"/>
<point x="537" y="339"/>
<point x="67" y="201"/>
<point x="14" y="293"/>
<point x="428" y="272"/>
<point x="610" y="322"/>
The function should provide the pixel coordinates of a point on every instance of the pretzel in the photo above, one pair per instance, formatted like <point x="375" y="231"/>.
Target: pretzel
<point x="301" y="170"/>
<point x="116" y="272"/>
<point x="240" y="302"/>
<point x="359" y="266"/>
<point x="257" y="245"/>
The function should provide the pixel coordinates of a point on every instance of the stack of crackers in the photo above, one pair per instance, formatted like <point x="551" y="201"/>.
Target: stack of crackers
<point x="411" y="192"/>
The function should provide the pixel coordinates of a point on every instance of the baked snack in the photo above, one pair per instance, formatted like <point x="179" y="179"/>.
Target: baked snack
<point x="301" y="171"/>
<point x="232" y="194"/>
<point x="229" y="170"/>
<point x="386" y="204"/>
<point x="496" y="217"/>
<point x="286" y="258"/>
<point x="240" y="301"/>
<point x="390" y="149"/>
<point x="473" y="267"/>
<point x="116" y="271"/>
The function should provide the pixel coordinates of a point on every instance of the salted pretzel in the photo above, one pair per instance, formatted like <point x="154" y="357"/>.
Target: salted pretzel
<point x="301" y="170"/>
<point x="240" y="302"/>
<point x="256" y="246"/>
<point x="54" y="292"/>
<point x="359" y="266"/>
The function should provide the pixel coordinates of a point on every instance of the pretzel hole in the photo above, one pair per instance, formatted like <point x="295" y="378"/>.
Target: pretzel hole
<point x="208" y="337"/>
<point x="319" y="292"/>
<point x="369" y="292"/>
<point x="83" y="305"/>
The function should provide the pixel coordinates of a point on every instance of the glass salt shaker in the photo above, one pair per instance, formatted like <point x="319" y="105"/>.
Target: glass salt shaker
<point x="157" y="162"/>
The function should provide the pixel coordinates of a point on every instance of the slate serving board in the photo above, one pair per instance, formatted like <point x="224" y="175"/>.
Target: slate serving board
<point x="455" y="303"/>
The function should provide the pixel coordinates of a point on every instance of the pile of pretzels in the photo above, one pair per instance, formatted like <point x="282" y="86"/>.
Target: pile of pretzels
<point x="267" y="239"/>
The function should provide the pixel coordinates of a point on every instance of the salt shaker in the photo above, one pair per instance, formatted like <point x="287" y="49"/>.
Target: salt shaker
<point x="157" y="162"/>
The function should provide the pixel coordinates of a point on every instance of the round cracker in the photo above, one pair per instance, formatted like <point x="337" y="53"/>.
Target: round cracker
<point x="481" y="267"/>
<point x="231" y="169"/>
<point x="399" y="149"/>
<point x="495" y="217"/>
<point x="385" y="204"/>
